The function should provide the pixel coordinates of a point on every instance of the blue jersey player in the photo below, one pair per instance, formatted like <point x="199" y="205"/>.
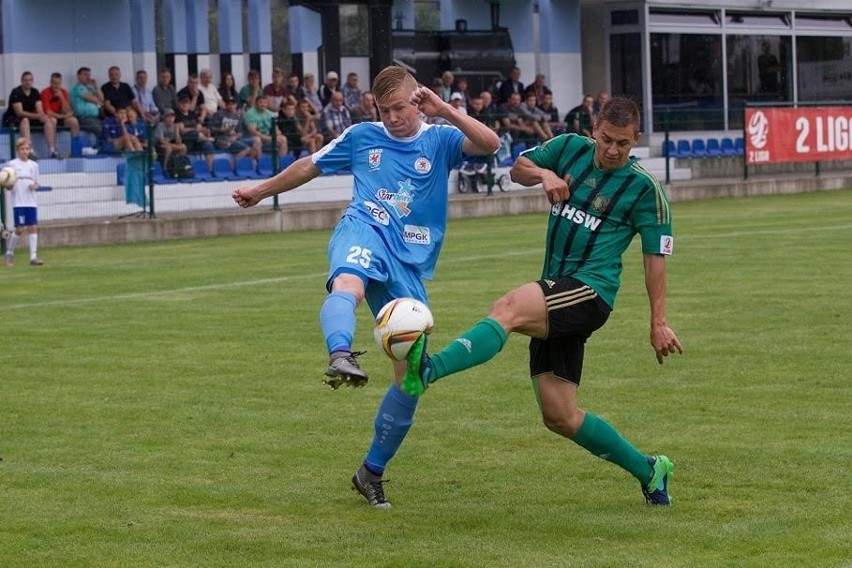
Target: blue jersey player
<point x="389" y="237"/>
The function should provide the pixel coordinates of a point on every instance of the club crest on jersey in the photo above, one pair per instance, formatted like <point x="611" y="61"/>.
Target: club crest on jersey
<point x="599" y="203"/>
<point x="374" y="158"/>
<point x="422" y="165"/>
<point x="400" y="200"/>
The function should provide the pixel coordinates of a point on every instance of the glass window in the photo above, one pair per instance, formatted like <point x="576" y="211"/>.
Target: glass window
<point x="625" y="60"/>
<point x="671" y="18"/>
<point x="624" y="17"/>
<point x="354" y="31"/>
<point x="686" y="81"/>
<point x="839" y="22"/>
<point x="824" y="68"/>
<point x="759" y="70"/>
<point x="751" y="21"/>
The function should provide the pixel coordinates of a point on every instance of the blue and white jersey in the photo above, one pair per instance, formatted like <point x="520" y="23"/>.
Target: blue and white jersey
<point x="27" y="174"/>
<point x="400" y="185"/>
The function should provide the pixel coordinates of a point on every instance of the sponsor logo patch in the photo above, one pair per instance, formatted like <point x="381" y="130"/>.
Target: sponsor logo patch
<point x="377" y="212"/>
<point x="416" y="235"/>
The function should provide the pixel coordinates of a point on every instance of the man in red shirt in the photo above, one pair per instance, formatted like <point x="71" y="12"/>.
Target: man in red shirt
<point x="57" y="104"/>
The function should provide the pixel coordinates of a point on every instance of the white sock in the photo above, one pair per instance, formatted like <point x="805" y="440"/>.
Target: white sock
<point x="33" y="242"/>
<point x="12" y="244"/>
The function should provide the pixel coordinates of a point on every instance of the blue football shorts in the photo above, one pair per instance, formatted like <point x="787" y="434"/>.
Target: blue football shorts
<point x="25" y="216"/>
<point x="358" y="248"/>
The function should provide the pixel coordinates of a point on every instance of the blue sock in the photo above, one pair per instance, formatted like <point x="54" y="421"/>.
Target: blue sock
<point x="337" y="319"/>
<point x="393" y="419"/>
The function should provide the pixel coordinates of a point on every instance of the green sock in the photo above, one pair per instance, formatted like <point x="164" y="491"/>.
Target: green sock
<point x="597" y="436"/>
<point x="474" y="347"/>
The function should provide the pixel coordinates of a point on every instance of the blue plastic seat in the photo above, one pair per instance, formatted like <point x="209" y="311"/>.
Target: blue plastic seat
<point x="285" y="161"/>
<point x="245" y="168"/>
<point x="264" y="165"/>
<point x="684" y="150"/>
<point x="200" y="169"/>
<point x="160" y="176"/>
<point x="739" y="146"/>
<point x="714" y="147"/>
<point x="222" y="169"/>
<point x="120" y="168"/>
<point x="699" y="148"/>
<point x="669" y="148"/>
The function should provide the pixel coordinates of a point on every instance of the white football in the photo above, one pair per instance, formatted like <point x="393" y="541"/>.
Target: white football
<point x="399" y="323"/>
<point x="8" y="177"/>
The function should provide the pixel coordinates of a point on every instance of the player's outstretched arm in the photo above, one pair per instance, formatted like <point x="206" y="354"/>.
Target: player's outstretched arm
<point x="479" y="139"/>
<point x="663" y="338"/>
<point x="298" y="173"/>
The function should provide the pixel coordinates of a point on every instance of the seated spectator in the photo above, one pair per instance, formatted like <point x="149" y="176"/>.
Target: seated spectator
<point x="457" y="102"/>
<point x="228" y="88"/>
<point x="87" y="102"/>
<point x="260" y="123"/>
<point x="335" y="117"/>
<point x="312" y="139"/>
<point x="488" y="104"/>
<point x="226" y="129"/>
<point x="489" y="118"/>
<point x="538" y="119"/>
<point x="213" y="101"/>
<point x="288" y="124"/>
<point x="600" y="101"/>
<point x="164" y="94"/>
<point x="118" y="94"/>
<point x="514" y="122"/>
<point x="438" y="87"/>
<point x="57" y="105"/>
<point x="120" y="134"/>
<point x="538" y="88"/>
<point x="512" y="84"/>
<point x="365" y="110"/>
<point x="351" y="91"/>
<point x="167" y="137"/>
<point x="462" y="87"/>
<point x="192" y="131"/>
<point x="150" y="111"/>
<point x="195" y="96"/>
<point x="251" y="90"/>
<point x="276" y="91"/>
<point x="295" y="90"/>
<point x="327" y="89"/>
<point x="546" y="106"/>
<point x="580" y="119"/>
<point x="312" y="96"/>
<point x="447" y="79"/>
<point x="25" y="112"/>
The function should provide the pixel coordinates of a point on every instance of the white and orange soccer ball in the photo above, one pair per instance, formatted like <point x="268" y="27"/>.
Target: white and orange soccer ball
<point x="399" y="323"/>
<point x="8" y="177"/>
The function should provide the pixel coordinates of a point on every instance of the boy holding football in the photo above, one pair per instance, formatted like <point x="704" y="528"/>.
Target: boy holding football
<point x="24" y="206"/>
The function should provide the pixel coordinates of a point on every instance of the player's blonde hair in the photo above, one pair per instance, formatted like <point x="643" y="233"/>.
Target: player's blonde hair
<point x="21" y="141"/>
<point x="390" y="79"/>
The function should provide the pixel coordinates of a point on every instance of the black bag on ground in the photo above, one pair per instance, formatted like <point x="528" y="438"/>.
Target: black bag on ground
<point x="179" y="167"/>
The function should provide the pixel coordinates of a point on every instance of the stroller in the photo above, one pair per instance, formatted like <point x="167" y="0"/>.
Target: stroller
<point x="478" y="172"/>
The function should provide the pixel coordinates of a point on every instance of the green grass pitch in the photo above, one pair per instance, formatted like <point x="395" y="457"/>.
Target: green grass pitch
<point x="161" y="405"/>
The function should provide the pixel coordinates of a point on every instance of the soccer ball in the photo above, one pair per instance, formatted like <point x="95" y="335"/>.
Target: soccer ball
<point x="398" y="325"/>
<point x="8" y="177"/>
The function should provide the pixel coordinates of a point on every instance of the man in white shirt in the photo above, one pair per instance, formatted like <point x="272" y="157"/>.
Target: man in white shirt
<point x="212" y="99"/>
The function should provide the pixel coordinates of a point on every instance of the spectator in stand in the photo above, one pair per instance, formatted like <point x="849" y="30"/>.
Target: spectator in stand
<point x="195" y="96"/>
<point x="57" y="105"/>
<point x="226" y="129"/>
<point x="213" y="101"/>
<point x="192" y="131"/>
<point x="538" y="119"/>
<point x="312" y="96"/>
<point x="365" y="110"/>
<point x="87" y="102"/>
<point x="461" y="87"/>
<point x="335" y="118"/>
<point x="512" y="84"/>
<point x="167" y="137"/>
<point x="488" y="104"/>
<point x="288" y="124"/>
<point x="600" y="101"/>
<point x="259" y="122"/>
<point x="538" y="88"/>
<point x="251" y="90"/>
<point x="118" y="94"/>
<point x="120" y="134"/>
<point x="447" y="79"/>
<point x="164" y="94"/>
<point x="311" y="137"/>
<point x="150" y="111"/>
<point x="228" y="88"/>
<point x="137" y="128"/>
<point x="295" y="91"/>
<point x="457" y="102"/>
<point x="351" y="91"/>
<point x="25" y="112"/>
<point x="514" y="122"/>
<point x="580" y="119"/>
<point x="328" y="88"/>
<point x="546" y="106"/>
<point x="488" y="118"/>
<point x="437" y="87"/>
<point x="275" y="92"/>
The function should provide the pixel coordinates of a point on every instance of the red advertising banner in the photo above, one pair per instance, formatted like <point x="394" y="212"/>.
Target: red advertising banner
<point x="805" y="134"/>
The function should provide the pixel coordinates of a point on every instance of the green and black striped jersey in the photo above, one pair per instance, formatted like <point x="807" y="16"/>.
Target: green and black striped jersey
<point x="588" y="234"/>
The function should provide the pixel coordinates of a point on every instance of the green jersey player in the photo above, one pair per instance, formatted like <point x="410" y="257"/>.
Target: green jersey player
<point x="600" y="199"/>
